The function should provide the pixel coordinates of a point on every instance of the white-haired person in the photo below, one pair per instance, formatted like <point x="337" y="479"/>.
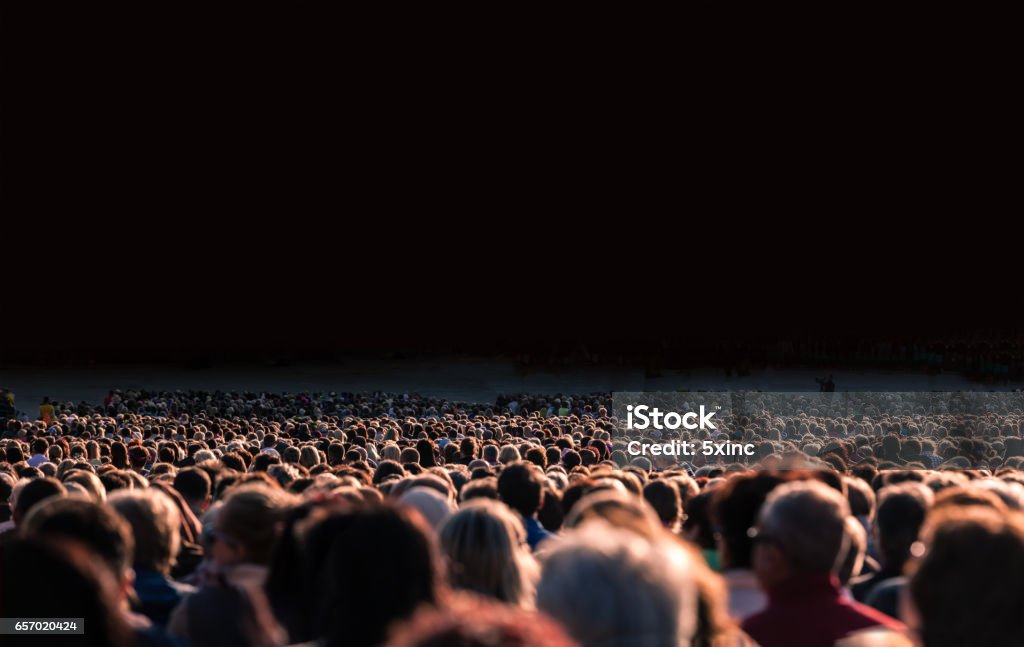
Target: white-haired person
<point x="610" y="587"/>
<point x="625" y="511"/>
<point x="800" y="545"/>
<point x="508" y="454"/>
<point x="486" y="550"/>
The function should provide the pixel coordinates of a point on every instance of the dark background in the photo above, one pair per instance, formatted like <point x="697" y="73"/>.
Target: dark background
<point x="240" y="186"/>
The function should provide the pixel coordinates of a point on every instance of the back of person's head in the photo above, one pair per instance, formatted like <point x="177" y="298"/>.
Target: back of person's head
<point x="891" y="447"/>
<point x="286" y="584"/>
<point x="486" y="487"/>
<point x="806" y="521"/>
<point x="554" y="455"/>
<point x="426" y="449"/>
<point x="490" y="453"/>
<point x="386" y="469"/>
<point x="963" y="496"/>
<point x="856" y="543"/>
<point x="291" y="454"/>
<point x="248" y="521"/>
<point x="409" y="455"/>
<point x="309" y="457"/>
<point x="901" y="512"/>
<point x="389" y="452"/>
<point x="664" y="498"/>
<point x="687" y="486"/>
<point x="698" y="526"/>
<point x="587" y="572"/>
<point x="39" y="446"/>
<point x="194" y="484"/>
<point x="114" y="480"/>
<point x="860" y="496"/>
<point x="119" y="455"/>
<point x="95" y="525"/>
<point x="429" y="502"/>
<point x="616" y="508"/>
<point x="263" y="461"/>
<point x="33" y="492"/>
<point x="537" y="456"/>
<point x="155" y="523"/>
<point x="367" y="568"/>
<point x="336" y="453"/>
<point x="89" y="482"/>
<point x="521" y="487"/>
<point x="484" y="545"/>
<point x="734" y="510"/>
<point x="63" y="578"/>
<point x="509" y="454"/>
<point x="550" y="514"/>
<point x="138" y="456"/>
<point x="7" y="487"/>
<point x="477" y="622"/>
<point x="966" y="588"/>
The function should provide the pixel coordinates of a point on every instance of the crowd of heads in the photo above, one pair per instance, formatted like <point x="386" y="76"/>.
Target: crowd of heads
<point x="393" y="519"/>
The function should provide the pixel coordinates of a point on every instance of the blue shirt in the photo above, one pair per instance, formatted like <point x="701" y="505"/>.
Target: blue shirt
<point x="535" y="532"/>
<point x="158" y="595"/>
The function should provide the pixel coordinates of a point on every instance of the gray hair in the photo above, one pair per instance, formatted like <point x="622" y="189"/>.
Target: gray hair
<point x="204" y="455"/>
<point x="508" y="454"/>
<point x="612" y="588"/>
<point x="807" y="519"/>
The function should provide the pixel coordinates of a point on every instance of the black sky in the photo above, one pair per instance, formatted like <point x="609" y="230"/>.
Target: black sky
<point x="178" y="187"/>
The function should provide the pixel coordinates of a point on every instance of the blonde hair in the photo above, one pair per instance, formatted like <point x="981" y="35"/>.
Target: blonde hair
<point x="390" y="452"/>
<point x="485" y="544"/>
<point x="508" y="454"/>
<point x="309" y="457"/>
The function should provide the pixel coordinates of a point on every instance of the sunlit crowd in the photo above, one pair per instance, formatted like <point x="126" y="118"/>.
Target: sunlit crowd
<point x="391" y="519"/>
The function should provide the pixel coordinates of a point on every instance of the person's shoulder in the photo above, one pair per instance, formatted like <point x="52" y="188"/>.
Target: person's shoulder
<point x="182" y="588"/>
<point x="875" y="636"/>
<point x="865" y="616"/>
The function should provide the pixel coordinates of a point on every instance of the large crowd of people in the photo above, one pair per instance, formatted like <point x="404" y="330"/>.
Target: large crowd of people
<point x="395" y="520"/>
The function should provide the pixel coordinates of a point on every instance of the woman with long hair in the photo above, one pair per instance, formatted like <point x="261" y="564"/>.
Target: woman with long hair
<point x="485" y="544"/>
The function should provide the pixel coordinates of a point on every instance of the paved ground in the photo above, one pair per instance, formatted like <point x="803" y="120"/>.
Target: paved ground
<point x="463" y="379"/>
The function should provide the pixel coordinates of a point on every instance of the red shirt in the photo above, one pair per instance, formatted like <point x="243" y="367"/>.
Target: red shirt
<point x="811" y="611"/>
